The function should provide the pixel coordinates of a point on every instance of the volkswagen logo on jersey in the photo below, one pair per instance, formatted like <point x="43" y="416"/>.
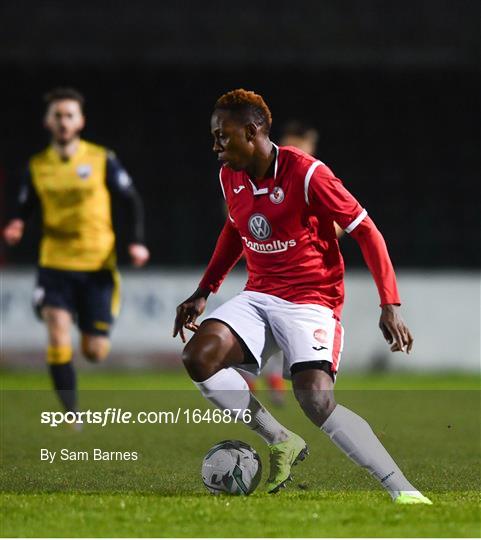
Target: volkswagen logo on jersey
<point x="277" y="195"/>
<point x="259" y="227"/>
<point x="84" y="171"/>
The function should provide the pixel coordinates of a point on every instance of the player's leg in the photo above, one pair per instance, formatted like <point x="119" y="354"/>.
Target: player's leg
<point x="53" y="302"/>
<point x="237" y="335"/>
<point x="209" y="358"/>
<point x="312" y="335"/>
<point x="59" y="355"/>
<point x="312" y="340"/>
<point x="314" y="390"/>
<point x="98" y="305"/>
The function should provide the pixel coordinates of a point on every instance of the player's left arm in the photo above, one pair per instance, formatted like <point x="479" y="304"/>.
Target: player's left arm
<point x="120" y="184"/>
<point x="27" y="201"/>
<point x="375" y="253"/>
<point x="328" y="191"/>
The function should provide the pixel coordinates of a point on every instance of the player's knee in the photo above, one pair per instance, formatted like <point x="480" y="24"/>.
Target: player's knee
<point x="314" y="390"/>
<point x="95" y="350"/>
<point x="316" y="403"/>
<point x="196" y="362"/>
<point x="94" y="354"/>
<point x="200" y="360"/>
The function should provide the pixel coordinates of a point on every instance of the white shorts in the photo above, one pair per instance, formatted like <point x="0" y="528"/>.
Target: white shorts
<point x="267" y="325"/>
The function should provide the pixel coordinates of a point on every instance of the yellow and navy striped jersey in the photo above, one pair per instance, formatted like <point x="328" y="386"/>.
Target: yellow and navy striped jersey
<point x="75" y="200"/>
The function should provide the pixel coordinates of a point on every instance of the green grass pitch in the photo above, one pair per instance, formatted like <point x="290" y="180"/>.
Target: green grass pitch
<point x="429" y="423"/>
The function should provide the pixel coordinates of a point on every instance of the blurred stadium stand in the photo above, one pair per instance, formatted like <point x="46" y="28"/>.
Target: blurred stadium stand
<point x="392" y="86"/>
<point x="347" y="33"/>
<point x="446" y="336"/>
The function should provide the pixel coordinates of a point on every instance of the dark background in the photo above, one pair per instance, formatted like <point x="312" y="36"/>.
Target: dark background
<point x="393" y="87"/>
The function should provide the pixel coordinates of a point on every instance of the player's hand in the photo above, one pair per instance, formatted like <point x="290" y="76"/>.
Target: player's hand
<point x="188" y="311"/>
<point x="13" y="232"/>
<point x="139" y="254"/>
<point x="394" y="330"/>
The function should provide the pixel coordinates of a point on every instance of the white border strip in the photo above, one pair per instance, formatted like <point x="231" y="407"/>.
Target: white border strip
<point x="307" y="179"/>
<point x="265" y="191"/>
<point x="356" y="222"/>
<point x="277" y="160"/>
<point x="220" y="180"/>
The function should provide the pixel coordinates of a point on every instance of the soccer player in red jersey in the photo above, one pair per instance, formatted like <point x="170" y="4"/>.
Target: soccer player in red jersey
<point x="303" y="137"/>
<point x="282" y="207"/>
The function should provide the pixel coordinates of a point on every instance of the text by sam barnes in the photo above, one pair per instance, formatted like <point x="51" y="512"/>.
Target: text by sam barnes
<point x="95" y="454"/>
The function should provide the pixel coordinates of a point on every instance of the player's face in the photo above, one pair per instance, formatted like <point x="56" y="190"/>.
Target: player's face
<point x="233" y="141"/>
<point x="64" y="120"/>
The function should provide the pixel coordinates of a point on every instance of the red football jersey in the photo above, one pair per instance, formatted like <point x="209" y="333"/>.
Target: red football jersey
<point x="284" y="226"/>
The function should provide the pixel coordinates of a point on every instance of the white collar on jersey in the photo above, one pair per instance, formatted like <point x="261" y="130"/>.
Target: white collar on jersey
<point x="264" y="191"/>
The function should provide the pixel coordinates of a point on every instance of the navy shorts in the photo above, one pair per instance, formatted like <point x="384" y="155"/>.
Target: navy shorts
<point x="93" y="298"/>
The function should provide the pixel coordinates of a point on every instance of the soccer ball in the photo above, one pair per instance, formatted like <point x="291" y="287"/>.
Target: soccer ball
<point x="231" y="467"/>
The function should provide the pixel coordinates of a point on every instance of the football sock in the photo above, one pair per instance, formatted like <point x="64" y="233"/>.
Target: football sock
<point x="63" y="375"/>
<point x="65" y="384"/>
<point x="228" y="390"/>
<point x="354" y="436"/>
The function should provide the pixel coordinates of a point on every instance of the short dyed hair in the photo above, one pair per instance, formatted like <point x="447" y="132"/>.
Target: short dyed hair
<point x="246" y="104"/>
<point x="59" y="93"/>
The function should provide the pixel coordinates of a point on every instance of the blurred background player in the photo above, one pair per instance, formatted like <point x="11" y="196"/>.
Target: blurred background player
<point x="300" y="135"/>
<point x="304" y="137"/>
<point x="72" y="182"/>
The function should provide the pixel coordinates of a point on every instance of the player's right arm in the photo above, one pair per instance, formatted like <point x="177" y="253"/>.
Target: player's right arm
<point x="120" y="184"/>
<point x="27" y="201"/>
<point x="227" y="252"/>
<point x="322" y="188"/>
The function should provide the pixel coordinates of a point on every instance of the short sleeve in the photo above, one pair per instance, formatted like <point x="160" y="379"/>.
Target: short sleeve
<point x="323" y="190"/>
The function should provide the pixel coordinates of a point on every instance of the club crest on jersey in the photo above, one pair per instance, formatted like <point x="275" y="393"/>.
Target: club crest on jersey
<point x="84" y="171"/>
<point x="276" y="195"/>
<point x="320" y="335"/>
<point x="259" y="227"/>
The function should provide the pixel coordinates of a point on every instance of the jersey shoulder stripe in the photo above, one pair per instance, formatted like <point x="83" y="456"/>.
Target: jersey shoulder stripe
<point x="305" y="164"/>
<point x="307" y="179"/>
<point x="221" y="182"/>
